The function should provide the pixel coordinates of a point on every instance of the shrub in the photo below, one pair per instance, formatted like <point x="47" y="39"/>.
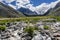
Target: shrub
<point x="46" y="27"/>
<point x="2" y="28"/>
<point x="35" y="28"/>
<point x="30" y="30"/>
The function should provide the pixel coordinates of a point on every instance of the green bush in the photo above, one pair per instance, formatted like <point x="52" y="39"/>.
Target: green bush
<point x="30" y="30"/>
<point x="2" y="28"/>
<point x="46" y="27"/>
<point x="35" y="28"/>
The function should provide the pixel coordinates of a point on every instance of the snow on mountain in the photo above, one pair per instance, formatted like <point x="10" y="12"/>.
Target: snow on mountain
<point x="40" y="10"/>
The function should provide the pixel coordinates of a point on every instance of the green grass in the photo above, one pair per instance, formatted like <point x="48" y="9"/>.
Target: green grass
<point x="46" y="27"/>
<point x="58" y="18"/>
<point x="27" y="19"/>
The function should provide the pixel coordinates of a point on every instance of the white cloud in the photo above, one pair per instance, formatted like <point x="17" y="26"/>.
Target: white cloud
<point x="26" y="4"/>
<point x="9" y="1"/>
<point x="1" y="0"/>
<point x="22" y="3"/>
<point x="58" y="0"/>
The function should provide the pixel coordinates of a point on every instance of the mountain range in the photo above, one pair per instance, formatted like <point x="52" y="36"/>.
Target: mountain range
<point x="44" y="11"/>
<point x="7" y="11"/>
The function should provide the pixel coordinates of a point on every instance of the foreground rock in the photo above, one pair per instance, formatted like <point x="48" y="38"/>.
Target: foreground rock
<point x="16" y="31"/>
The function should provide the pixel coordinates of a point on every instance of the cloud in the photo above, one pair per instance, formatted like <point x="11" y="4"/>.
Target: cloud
<point x="58" y="0"/>
<point x="8" y="1"/>
<point x="1" y="0"/>
<point x="26" y="4"/>
<point x="22" y="3"/>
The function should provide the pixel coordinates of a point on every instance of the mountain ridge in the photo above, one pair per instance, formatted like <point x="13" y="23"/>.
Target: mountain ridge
<point x="56" y="10"/>
<point x="22" y="12"/>
<point x="7" y="11"/>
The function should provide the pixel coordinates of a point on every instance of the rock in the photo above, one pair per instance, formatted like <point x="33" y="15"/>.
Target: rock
<point x="12" y="38"/>
<point x="56" y="34"/>
<point x="37" y="37"/>
<point x="40" y="37"/>
<point x="40" y="25"/>
<point x="58" y="38"/>
<point x="8" y="24"/>
<point x="36" y="32"/>
<point x="16" y="32"/>
<point x="5" y="35"/>
<point x="25" y="36"/>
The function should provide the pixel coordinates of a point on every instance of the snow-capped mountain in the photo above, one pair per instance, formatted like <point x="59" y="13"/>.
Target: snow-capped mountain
<point x="28" y="9"/>
<point x="42" y="10"/>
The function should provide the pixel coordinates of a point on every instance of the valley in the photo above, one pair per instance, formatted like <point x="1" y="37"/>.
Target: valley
<point x="21" y="20"/>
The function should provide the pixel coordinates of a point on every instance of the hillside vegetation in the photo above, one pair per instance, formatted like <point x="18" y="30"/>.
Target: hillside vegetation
<point x="28" y="19"/>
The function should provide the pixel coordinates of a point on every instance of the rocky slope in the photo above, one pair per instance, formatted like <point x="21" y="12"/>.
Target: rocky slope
<point x="16" y="31"/>
<point x="55" y="11"/>
<point x="7" y="11"/>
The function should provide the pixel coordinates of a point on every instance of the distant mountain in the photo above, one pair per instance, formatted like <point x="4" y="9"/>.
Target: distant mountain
<point x="28" y="12"/>
<point x="7" y="11"/>
<point x="56" y="10"/>
<point x="44" y="11"/>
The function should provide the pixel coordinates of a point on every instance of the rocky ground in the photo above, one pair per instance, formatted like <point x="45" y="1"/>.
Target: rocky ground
<point x="16" y="31"/>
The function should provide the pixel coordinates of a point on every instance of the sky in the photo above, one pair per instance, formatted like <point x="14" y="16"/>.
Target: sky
<point x="38" y="2"/>
<point x="29" y="2"/>
<point x="33" y="5"/>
